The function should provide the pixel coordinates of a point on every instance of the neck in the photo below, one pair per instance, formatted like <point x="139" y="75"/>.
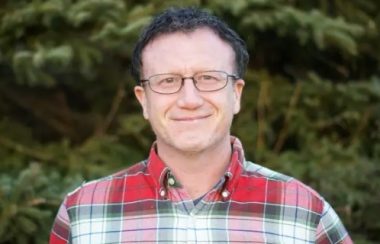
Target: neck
<point x="198" y="172"/>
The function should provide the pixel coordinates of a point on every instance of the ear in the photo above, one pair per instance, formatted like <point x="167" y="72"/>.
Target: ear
<point x="238" y="91"/>
<point x="141" y="97"/>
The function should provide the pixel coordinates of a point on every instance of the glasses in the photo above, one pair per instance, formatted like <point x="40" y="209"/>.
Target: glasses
<point x="205" y="81"/>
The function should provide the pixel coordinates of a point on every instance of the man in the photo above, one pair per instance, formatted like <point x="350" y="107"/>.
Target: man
<point x="195" y="186"/>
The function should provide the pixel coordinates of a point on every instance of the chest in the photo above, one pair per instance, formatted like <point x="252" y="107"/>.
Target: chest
<point x="152" y="221"/>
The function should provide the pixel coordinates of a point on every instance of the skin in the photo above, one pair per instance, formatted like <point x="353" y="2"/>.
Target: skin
<point x="192" y="128"/>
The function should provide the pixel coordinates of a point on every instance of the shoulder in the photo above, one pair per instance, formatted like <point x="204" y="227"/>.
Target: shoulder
<point x="255" y="170"/>
<point x="283" y="189"/>
<point x="115" y="183"/>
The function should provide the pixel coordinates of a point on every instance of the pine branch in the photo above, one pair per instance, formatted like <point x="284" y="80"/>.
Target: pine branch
<point x="24" y="150"/>
<point x="53" y="110"/>
<point x="261" y="120"/>
<point x="44" y="108"/>
<point x="116" y="101"/>
<point x="362" y="124"/>
<point x="285" y="129"/>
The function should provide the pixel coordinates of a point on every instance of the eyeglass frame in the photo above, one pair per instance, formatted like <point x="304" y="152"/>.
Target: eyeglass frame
<point x="183" y="78"/>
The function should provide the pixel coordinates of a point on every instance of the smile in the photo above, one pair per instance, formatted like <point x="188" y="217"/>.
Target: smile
<point x="191" y="118"/>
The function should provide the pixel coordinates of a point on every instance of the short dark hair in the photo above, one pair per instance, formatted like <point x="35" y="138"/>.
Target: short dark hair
<point x="186" y="20"/>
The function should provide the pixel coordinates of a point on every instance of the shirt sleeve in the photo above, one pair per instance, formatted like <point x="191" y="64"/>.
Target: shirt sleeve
<point x="60" y="233"/>
<point x="330" y="228"/>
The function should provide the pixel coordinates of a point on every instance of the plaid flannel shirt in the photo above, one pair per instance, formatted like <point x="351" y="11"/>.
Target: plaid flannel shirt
<point x="145" y="203"/>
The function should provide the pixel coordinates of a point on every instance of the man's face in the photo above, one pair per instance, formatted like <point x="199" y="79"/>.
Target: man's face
<point x="189" y="121"/>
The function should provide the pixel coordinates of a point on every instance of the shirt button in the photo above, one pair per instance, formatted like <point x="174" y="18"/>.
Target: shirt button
<point x="162" y="193"/>
<point x="225" y="194"/>
<point x="171" y="181"/>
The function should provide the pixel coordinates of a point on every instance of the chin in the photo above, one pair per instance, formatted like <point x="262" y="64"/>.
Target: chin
<point x="191" y="144"/>
<point x="184" y="138"/>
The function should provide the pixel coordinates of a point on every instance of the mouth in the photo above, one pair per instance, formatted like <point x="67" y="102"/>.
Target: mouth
<point x="191" y="118"/>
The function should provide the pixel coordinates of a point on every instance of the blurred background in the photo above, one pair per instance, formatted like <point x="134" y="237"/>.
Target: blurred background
<point x="311" y="107"/>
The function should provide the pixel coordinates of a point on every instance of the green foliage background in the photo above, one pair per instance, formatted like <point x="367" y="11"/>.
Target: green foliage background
<point x="311" y="106"/>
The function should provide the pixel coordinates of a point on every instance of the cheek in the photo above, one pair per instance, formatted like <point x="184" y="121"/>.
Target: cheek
<point x="227" y="109"/>
<point x="235" y="103"/>
<point x="156" y="110"/>
<point x="232" y="104"/>
<point x="236" y="108"/>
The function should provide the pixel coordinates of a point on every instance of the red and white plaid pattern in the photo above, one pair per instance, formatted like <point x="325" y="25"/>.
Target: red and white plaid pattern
<point x="250" y="204"/>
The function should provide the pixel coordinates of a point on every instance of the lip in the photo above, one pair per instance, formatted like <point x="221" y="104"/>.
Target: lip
<point x="191" y="118"/>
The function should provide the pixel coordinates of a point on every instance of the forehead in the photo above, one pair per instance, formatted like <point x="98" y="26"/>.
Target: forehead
<point x="185" y="52"/>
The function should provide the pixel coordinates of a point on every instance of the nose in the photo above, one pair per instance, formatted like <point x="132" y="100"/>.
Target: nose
<point x="189" y="96"/>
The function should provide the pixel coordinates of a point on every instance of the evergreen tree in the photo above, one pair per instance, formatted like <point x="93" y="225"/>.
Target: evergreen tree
<point x="311" y="105"/>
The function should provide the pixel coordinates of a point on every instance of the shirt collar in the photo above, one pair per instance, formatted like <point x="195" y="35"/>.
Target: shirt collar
<point x="157" y="168"/>
<point x="159" y="171"/>
<point x="234" y="169"/>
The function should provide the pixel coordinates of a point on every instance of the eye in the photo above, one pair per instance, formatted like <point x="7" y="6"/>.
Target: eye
<point x="167" y="81"/>
<point x="208" y="77"/>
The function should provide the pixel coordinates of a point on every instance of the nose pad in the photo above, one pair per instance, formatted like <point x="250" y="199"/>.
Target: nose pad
<point x="192" y="81"/>
<point x="189" y="86"/>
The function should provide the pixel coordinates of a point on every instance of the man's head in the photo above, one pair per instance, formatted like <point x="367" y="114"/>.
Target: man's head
<point x="188" y="20"/>
<point x="190" y="86"/>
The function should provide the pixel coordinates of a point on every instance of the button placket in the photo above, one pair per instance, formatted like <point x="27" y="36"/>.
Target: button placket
<point x="191" y="227"/>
